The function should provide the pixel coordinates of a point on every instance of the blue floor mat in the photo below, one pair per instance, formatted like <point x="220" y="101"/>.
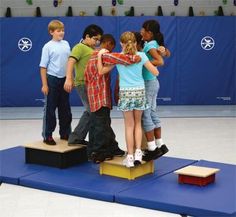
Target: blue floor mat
<point x="13" y="167"/>
<point x="166" y="194"/>
<point x="84" y="180"/>
<point x="159" y="191"/>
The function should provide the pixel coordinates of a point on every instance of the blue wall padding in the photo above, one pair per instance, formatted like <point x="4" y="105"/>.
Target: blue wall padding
<point x="207" y="77"/>
<point x="0" y="166"/>
<point x="166" y="194"/>
<point x="190" y="76"/>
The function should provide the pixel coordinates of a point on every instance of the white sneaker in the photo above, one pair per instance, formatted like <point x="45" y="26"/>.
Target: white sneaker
<point x="129" y="161"/>
<point x="138" y="156"/>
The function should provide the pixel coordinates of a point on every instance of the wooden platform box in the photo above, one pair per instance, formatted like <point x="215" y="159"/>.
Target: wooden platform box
<point x="196" y="175"/>
<point x="115" y="168"/>
<point x="60" y="155"/>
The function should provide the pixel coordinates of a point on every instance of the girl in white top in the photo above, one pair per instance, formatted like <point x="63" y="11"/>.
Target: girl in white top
<point x="132" y="100"/>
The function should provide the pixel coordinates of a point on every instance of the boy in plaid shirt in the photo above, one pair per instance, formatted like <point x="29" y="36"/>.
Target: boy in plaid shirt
<point x="102" y="143"/>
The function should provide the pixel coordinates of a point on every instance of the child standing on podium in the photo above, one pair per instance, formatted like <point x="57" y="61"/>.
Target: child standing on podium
<point x="54" y="57"/>
<point x="154" y="49"/>
<point x="132" y="100"/>
<point x="102" y="143"/>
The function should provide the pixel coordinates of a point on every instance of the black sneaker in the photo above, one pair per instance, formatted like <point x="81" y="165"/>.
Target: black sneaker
<point x="78" y="142"/>
<point x="118" y="152"/>
<point x="138" y="155"/>
<point x="64" y="137"/>
<point x="157" y="153"/>
<point x="164" y="149"/>
<point x="137" y="162"/>
<point x="97" y="157"/>
<point x="49" y="141"/>
<point x="152" y="155"/>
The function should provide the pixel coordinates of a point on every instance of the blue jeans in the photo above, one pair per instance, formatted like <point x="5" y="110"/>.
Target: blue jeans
<point x="57" y="98"/>
<point x="82" y="128"/>
<point x="150" y="119"/>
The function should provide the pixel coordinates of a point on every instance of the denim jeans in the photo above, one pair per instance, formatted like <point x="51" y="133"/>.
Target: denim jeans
<point x="150" y="119"/>
<point x="101" y="135"/>
<point x="82" y="128"/>
<point x="57" y="98"/>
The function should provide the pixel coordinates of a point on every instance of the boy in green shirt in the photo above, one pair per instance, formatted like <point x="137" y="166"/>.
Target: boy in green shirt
<point x="78" y="59"/>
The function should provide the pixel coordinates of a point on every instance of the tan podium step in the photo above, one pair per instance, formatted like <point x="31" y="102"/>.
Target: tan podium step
<point x="116" y="168"/>
<point x="196" y="175"/>
<point x="60" y="155"/>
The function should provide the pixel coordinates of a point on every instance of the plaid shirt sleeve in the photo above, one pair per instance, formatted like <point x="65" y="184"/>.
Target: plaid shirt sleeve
<point x="119" y="58"/>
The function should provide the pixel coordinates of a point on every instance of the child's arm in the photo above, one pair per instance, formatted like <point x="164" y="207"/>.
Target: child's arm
<point x="101" y="68"/>
<point x="43" y="72"/>
<point x="151" y="68"/>
<point x="69" y="83"/>
<point x="119" y="58"/>
<point x="157" y="58"/>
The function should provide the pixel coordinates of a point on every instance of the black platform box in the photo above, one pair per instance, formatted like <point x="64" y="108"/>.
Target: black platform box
<point x="60" y="155"/>
<point x="56" y="159"/>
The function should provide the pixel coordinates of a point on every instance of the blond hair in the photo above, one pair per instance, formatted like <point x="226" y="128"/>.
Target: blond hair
<point x="129" y="41"/>
<point x="55" y="24"/>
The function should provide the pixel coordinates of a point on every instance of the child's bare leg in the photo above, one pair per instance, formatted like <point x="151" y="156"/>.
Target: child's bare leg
<point x="129" y="137"/>
<point x="138" y="136"/>
<point x="150" y="135"/>
<point x="138" y="128"/>
<point x="157" y="133"/>
<point x="129" y="130"/>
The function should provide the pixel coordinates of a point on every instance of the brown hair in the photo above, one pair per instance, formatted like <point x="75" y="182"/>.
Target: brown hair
<point x="55" y="24"/>
<point x="129" y="40"/>
<point x="108" y="38"/>
<point x="154" y="27"/>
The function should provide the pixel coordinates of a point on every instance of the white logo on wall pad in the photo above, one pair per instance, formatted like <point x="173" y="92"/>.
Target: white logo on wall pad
<point x="207" y="43"/>
<point x="25" y="44"/>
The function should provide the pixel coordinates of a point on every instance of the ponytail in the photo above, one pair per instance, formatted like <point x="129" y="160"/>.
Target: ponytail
<point x="159" y="38"/>
<point x="129" y="41"/>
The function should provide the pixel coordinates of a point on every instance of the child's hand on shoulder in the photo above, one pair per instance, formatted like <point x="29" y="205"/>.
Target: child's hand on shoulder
<point x="137" y="58"/>
<point x="102" y="51"/>
<point x="162" y="50"/>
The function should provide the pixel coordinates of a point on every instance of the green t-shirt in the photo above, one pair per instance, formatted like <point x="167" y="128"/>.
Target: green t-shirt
<point x="81" y="53"/>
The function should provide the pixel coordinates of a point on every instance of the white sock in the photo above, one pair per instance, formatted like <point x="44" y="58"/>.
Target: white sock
<point x="159" y="142"/>
<point x="151" y="145"/>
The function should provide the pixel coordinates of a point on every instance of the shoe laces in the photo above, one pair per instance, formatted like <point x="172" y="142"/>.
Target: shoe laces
<point x="138" y="153"/>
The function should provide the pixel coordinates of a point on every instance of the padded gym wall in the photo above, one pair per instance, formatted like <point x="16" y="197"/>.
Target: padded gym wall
<point x="201" y="69"/>
<point x="23" y="8"/>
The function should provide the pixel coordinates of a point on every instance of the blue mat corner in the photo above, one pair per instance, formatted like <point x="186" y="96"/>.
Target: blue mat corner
<point x="13" y="166"/>
<point x="166" y="194"/>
